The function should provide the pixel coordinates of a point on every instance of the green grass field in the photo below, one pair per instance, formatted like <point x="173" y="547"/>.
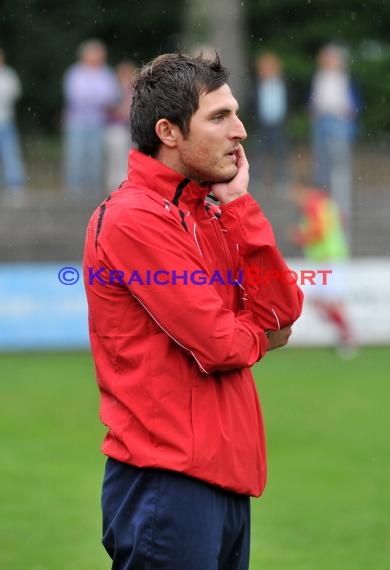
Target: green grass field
<point x="327" y="503"/>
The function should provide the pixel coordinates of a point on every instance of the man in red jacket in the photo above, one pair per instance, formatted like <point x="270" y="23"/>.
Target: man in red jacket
<point x="176" y="323"/>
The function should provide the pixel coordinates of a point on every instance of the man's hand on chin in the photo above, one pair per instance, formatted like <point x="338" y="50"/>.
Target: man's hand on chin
<point x="225" y="192"/>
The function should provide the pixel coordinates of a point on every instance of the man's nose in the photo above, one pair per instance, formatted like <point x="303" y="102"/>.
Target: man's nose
<point x="238" y="130"/>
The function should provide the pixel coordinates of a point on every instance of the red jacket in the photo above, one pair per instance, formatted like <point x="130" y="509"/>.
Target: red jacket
<point x="173" y="360"/>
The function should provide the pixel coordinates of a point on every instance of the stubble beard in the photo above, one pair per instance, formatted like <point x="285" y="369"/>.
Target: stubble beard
<point x="204" y="178"/>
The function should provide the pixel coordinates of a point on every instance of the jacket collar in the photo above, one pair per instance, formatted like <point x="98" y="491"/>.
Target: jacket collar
<point x="143" y="170"/>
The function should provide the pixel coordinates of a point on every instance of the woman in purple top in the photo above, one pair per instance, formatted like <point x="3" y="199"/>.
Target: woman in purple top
<point x="90" y="88"/>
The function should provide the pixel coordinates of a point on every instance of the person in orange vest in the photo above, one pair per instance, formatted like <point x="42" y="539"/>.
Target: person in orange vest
<point x="321" y="235"/>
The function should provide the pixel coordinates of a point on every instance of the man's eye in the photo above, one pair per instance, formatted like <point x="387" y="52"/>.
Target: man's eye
<point x="218" y="118"/>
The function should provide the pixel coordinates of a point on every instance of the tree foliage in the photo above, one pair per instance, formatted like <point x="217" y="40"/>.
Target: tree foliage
<point x="296" y="29"/>
<point x="40" y="38"/>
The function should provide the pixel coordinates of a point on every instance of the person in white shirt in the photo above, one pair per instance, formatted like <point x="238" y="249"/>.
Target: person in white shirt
<point x="11" y="162"/>
<point x="334" y="107"/>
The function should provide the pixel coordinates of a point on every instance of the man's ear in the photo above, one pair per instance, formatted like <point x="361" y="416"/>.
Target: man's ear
<point x="167" y="132"/>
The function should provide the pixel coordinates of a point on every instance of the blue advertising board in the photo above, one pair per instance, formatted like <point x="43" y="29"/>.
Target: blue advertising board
<point x="42" y="306"/>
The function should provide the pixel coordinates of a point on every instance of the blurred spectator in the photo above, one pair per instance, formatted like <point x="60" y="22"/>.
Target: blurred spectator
<point x="90" y="87"/>
<point x="118" y="136"/>
<point x="271" y="112"/>
<point x="321" y="235"/>
<point x="334" y="106"/>
<point x="12" y="169"/>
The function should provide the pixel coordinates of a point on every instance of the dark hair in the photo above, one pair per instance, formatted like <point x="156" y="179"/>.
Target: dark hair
<point x="169" y="88"/>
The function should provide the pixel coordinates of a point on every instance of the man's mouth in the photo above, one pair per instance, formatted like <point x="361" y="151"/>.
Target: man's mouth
<point x="232" y="153"/>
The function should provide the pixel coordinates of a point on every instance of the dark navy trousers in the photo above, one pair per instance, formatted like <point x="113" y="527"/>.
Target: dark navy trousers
<point x="161" y="520"/>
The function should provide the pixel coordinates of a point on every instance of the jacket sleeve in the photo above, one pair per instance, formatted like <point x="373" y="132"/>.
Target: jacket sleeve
<point x="146" y="242"/>
<point x="271" y="293"/>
